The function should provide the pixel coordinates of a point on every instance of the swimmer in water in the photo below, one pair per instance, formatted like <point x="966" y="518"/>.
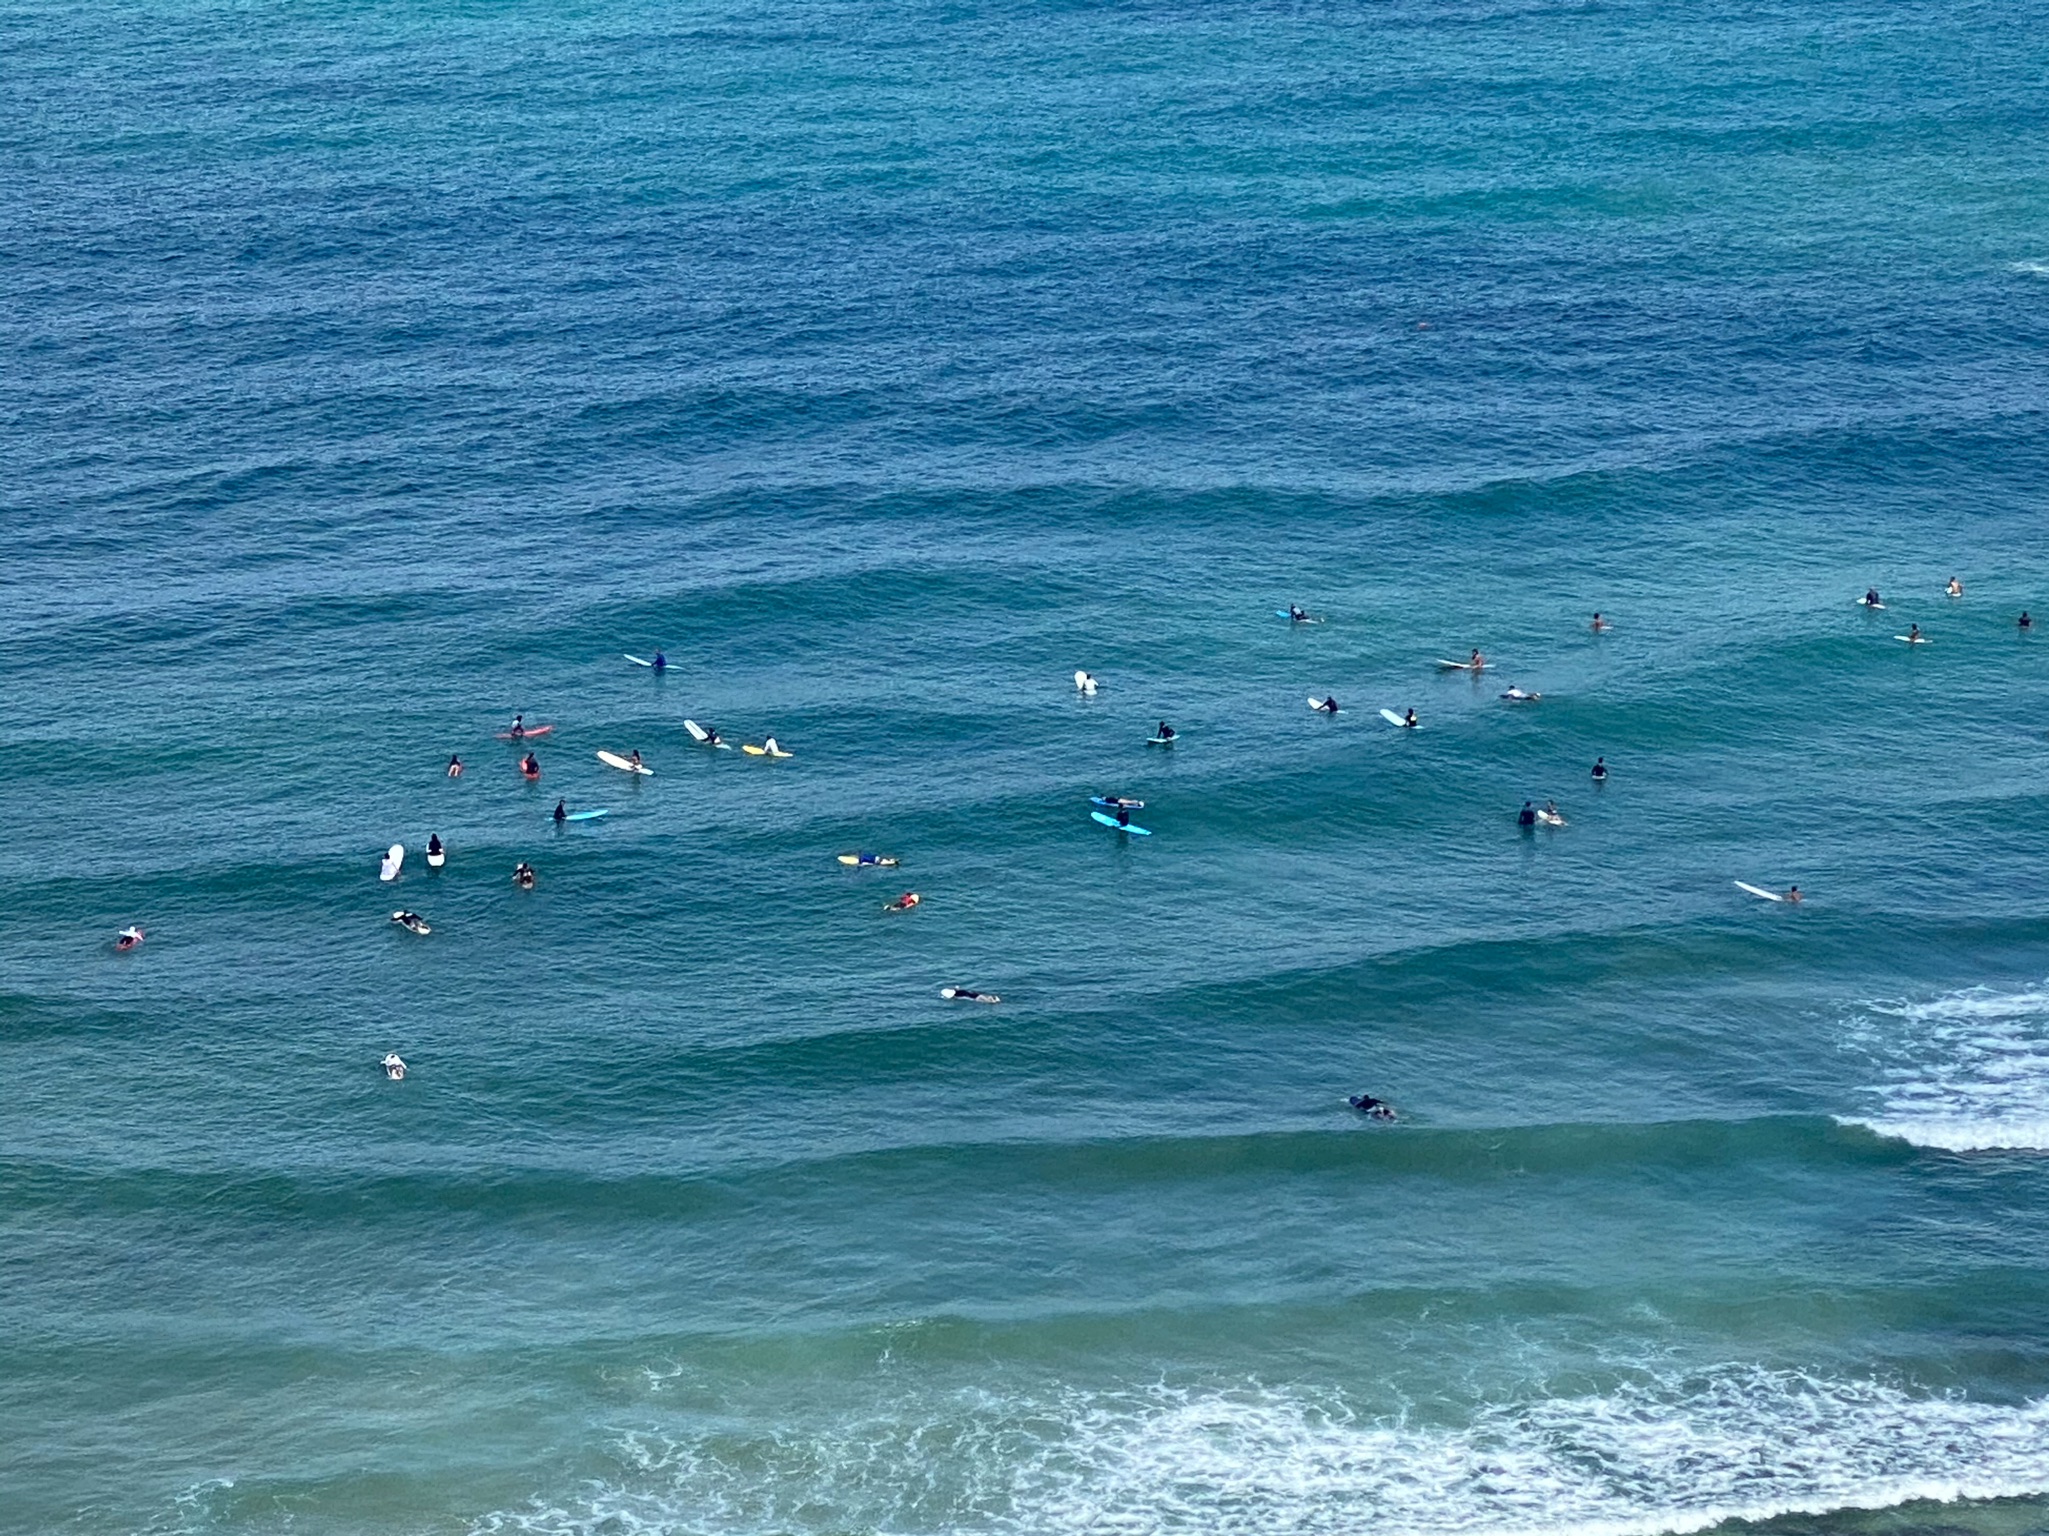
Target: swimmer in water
<point x="1955" y="587"/>
<point x="523" y="875"/>
<point x="1601" y="624"/>
<point x="530" y="766"/>
<point x="1793" y="895"/>
<point x="2026" y="622"/>
<point x="903" y="903"/>
<point x="561" y="811"/>
<point x="454" y="767"/>
<point x="1600" y="770"/>
<point x="1370" y="1107"/>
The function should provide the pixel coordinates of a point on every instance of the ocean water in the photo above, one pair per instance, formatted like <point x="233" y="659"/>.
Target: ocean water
<point x="374" y="371"/>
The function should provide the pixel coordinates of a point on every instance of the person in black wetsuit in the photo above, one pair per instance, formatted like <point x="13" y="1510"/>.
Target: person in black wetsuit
<point x="1165" y="732"/>
<point x="660" y="661"/>
<point x="1329" y="705"/>
<point x="1527" y="817"/>
<point x="1600" y="770"/>
<point x="2026" y="622"/>
<point x="523" y="875"/>
<point x="1123" y="815"/>
<point x="434" y="845"/>
<point x="1370" y="1107"/>
<point x="561" y="811"/>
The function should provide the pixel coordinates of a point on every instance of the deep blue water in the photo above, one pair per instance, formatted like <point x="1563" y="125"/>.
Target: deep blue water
<point x="373" y="372"/>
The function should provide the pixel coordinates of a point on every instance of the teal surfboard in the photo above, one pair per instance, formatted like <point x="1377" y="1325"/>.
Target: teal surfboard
<point x="1111" y="822"/>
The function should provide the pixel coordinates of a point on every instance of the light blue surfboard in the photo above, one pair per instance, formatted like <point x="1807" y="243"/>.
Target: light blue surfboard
<point x="1111" y="822"/>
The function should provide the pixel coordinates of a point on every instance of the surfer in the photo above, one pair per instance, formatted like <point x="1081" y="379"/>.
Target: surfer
<point x="518" y="727"/>
<point x="1601" y="624"/>
<point x="1084" y="683"/>
<point x="1409" y="721"/>
<point x="968" y="995"/>
<point x="1955" y="587"/>
<point x="1329" y="706"/>
<point x="530" y="766"/>
<point x="711" y="736"/>
<point x="1914" y="636"/>
<point x="411" y="921"/>
<point x="1793" y="895"/>
<point x="1600" y="770"/>
<point x="523" y="875"/>
<point x="561" y="812"/>
<point x="454" y="766"/>
<point x="127" y="939"/>
<point x="2026" y="622"/>
<point x="1870" y="598"/>
<point x="634" y="757"/>
<point x="434" y="849"/>
<point x="874" y="861"/>
<point x="1550" y="815"/>
<point x="1123" y="815"/>
<point x="903" y="903"/>
<point x="660" y="662"/>
<point x="1478" y="663"/>
<point x="1165" y="732"/>
<point x="394" y="1066"/>
<point x="1370" y="1107"/>
<point x="1515" y="695"/>
<point x="1527" y="816"/>
<point x="1296" y="615"/>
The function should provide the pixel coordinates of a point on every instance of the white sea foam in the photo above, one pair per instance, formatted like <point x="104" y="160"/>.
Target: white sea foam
<point x="1966" y="1072"/>
<point x="2031" y="268"/>
<point x="1674" y="1454"/>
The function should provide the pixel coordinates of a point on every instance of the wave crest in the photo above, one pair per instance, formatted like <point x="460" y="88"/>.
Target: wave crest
<point x="1967" y="1072"/>
<point x="1665" y="1455"/>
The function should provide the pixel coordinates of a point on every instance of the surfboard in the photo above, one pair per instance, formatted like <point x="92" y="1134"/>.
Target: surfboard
<point x="638" y="661"/>
<point x="1548" y="819"/>
<point x="614" y="760"/>
<point x="1873" y="606"/>
<point x="1161" y="741"/>
<point x="1084" y="682"/>
<point x="854" y="860"/>
<point x="1394" y="719"/>
<point x="1282" y="613"/>
<point x="699" y="733"/>
<point x="585" y="815"/>
<point x="527" y="735"/>
<point x="1455" y="666"/>
<point x="388" y="870"/>
<point x="1913" y="639"/>
<point x="1111" y="822"/>
<point x="1318" y="704"/>
<point x="1111" y="805"/>
<point x="950" y="993"/>
<point x="1759" y="891"/>
<point x="436" y="860"/>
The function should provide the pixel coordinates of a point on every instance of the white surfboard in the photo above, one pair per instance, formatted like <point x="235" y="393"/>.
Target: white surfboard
<point x="1913" y="639"/>
<point x="388" y="870"/>
<point x="614" y="760"/>
<point x="1874" y="607"/>
<point x="699" y="733"/>
<point x="1085" y="683"/>
<point x="1759" y="891"/>
<point x="1455" y="666"/>
<point x="638" y="661"/>
<point x="1317" y="704"/>
<point x="1394" y="719"/>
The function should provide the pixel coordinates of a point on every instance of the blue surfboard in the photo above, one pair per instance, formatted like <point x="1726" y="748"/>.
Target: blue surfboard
<point x="585" y="815"/>
<point x="1111" y="822"/>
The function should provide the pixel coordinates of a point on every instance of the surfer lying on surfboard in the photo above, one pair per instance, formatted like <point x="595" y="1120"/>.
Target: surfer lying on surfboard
<point x="1515" y="695"/>
<point x="968" y="995"/>
<point x="903" y="903"/>
<point x="394" y="1066"/>
<point x="127" y="939"/>
<point x="1370" y="1107"/>
<point x="868" y="860"/>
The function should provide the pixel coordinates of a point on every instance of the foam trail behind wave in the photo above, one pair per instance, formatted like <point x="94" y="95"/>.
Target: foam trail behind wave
<point x="1966" y="1072"/>
<point x="1679" y="1454"/>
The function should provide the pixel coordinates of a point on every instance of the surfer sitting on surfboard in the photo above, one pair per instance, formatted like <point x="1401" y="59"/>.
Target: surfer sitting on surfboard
<point x="1601" y="624"/>
<point x="1870" y="598"/>
<point x="530" y="766"/>
<point x="1478" y="662"/>
<point x="1296" y="615"/>
<point x="561" y="810"/>
<point x="523" y="875"/>
<point x="1409" y="720"/>
<point x="1550" y="816"/>
<point x="518" y="727"/>
<point x="1329" y="706"/>
<point x="1600" y="770"/>
<point x="659" y="662"/>
<point x="454" y="766"/>
<point x="1370" y="1107"/>
<point x="1164" y="733"/>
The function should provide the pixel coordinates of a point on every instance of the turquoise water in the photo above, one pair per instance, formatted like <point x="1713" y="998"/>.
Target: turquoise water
<point x="375" y="372"/>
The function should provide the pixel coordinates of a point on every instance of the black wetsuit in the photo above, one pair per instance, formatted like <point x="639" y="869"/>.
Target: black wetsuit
<point x="1528" y="815"/>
